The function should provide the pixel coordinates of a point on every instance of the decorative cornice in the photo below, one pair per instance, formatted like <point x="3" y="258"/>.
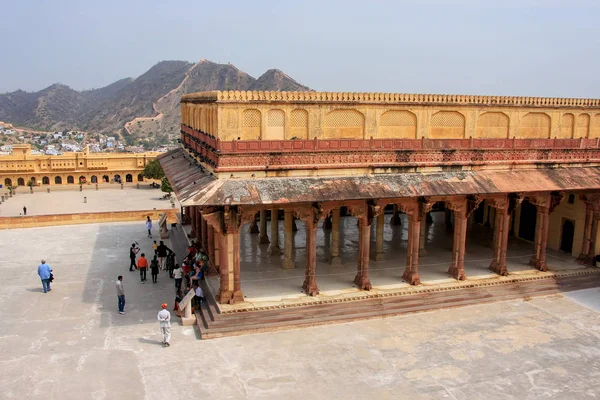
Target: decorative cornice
<point x="385" y="98"/>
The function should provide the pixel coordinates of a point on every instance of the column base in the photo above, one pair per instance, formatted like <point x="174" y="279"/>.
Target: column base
<point x="229" y="297"/>
<point x="288" y="263"/>
<point x="539" y="265"/>
<point x="264" y="240"/>
<point x="310" y="288"/>
<point x="274" y="250"/>
<point x="456" y="273"/>
<point x="253" y="228"/>
<point x="327" y="223"/>
<point x="335" y="260"/>
<point x="586" y="259"/>
<point x="412" y="278"/>
<point x="362" y="283"/>
<point x="498" y="269"/>
<point x="396" y="220"/>
<point x="422" y="252"/>
<point x="378" y="256"/>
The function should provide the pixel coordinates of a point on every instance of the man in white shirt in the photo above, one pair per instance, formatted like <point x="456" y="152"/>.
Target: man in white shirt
<point x="121" y="294"/>
<point x="164" y="318"/>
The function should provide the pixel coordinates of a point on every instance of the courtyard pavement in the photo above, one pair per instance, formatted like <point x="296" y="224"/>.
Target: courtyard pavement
<point x="40" y="202"/>
<point x="72" y="344"/>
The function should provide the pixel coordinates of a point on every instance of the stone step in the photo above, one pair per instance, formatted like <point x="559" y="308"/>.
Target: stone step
<point x="213" y="324"/>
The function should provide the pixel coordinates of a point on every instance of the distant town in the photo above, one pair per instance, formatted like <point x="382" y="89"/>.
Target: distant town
<point x="57" y="143"/>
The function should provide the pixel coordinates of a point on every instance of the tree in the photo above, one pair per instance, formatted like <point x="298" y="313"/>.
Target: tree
<point x="153" y="170"/>
<point x="165" y="185"/>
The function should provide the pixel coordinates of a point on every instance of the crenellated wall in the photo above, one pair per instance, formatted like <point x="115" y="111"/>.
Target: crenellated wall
<point x="307" y="115"/>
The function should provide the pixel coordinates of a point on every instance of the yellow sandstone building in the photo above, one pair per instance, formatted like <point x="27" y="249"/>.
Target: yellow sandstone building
<point x="521" y="167"/>
<point x="21" y="167"/>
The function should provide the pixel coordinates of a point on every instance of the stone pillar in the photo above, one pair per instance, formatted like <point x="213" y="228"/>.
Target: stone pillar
<point x="192" y="215"/>
<point x="217" y="246"/>
<point x="411" y="273"/>
<point x="204" y="235"/>
<point x="327" y="223"/>
<point x="334" y="256"/>
<point x="310" y="278"/>
<point x="253" y="226"/>
<point x="541" y="233"/>
<point x="361" y="280"/>
<point x="395" y="216"/>
<point x="198" y="224"/>
<point x="501" y="230"/>
<point x="422" y="238"/>
<point x="212" y="265"/>
<point x="378" y="254"/>
<point x="288" y="238"/>
<point x="274" y="249"/>
<point x="457" y="268"/>
<point x="264" y="238"/>
<point x="592" y="215"/>
<point x="230" y="290"/>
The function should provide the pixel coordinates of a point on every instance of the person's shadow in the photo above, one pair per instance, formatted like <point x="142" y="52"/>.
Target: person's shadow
<point x="150" y="341"/>
<point x="36" y="290"/>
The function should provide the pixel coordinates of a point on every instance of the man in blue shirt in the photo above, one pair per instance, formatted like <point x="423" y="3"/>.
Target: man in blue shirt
<point x="44" y="271"/>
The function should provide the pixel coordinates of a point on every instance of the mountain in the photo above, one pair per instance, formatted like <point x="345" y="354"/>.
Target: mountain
<point x="145" y="106"/>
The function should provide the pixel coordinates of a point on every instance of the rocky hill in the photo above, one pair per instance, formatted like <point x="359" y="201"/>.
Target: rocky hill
<point x="145" y="106"/>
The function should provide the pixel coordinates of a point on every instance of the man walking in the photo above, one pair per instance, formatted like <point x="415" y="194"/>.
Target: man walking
<point x="161" y="251"/>
<point x="44" y="271"/>
<point x="143" y="267"/>
<point x="149" y="226"/>
<point x="24" y="210"/>
<point x="132" y="253"/>
<point x="121" y="294"/>
<point x="164" y="318"/>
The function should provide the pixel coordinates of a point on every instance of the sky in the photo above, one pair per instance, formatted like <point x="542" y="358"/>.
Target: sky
<point x="510" y="47"/>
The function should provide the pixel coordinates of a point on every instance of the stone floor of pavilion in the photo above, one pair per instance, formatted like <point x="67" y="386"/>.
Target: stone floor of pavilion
<point x="265" y="284"/>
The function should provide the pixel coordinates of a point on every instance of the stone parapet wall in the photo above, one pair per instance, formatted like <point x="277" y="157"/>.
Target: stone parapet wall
<point x="35" y="221"/>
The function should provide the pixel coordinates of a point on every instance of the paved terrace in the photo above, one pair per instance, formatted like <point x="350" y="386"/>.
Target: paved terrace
<point x="72" y="201"/>
<point x="72" y="344"/>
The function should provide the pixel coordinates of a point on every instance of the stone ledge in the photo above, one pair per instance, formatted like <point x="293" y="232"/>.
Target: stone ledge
<point x="36" y="221"/>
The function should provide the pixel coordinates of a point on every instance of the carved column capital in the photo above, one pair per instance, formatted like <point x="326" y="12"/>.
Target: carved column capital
<point x="458" y="205"/>
<point x="541" y="201"/>
<point x="214" y="219"/>
<point x="309" y="213"/>
<point x="499" y="202"/>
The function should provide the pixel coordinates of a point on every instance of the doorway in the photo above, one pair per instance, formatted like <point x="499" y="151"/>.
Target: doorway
<point x="566" y="236"/>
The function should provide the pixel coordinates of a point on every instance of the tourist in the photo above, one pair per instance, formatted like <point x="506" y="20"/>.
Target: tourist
<point x="149" y="226"/>
<point x="155" y="247"/>
<point x="178" y="298"/>
<point x="178" y="275"/>
<point x="154" y="269"/>
<point x="24" y="210"/>
<point x="199" y="297"/>
<point x="143" y="267"/>
<point x="162" y="252"/>
<point x="196" y="274"/>
<point x="45" y="273"/>
<point x="121" y="295"/>
<point x="171" y="263"/>
<point x="132" y="253"/>
<point x="164" y="318"/>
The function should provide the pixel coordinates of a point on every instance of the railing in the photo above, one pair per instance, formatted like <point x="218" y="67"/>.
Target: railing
<point x="208" y="145"/>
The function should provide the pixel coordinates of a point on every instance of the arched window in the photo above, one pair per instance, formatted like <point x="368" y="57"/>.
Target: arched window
<point x="94" y="179"/>
<point x="21" y="182"/>
<point x="117" y="178"/>
<point x="105" y="179"/>
<point x="57" y="180"/>
<point x="8" y="182"/>
<point x="70" y="179"/>
<point x="45" y="180"/>
<point x="82" y="179"/>
<point x="140" y="178"/>
<point x="128" y="178"/>
<point x="33" y="181"/>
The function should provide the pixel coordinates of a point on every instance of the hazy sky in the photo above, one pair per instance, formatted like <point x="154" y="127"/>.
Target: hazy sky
<point x="516" y="47"/>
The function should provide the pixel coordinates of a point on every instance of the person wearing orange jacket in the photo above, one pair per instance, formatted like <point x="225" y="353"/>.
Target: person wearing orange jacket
<point x="142" y="265"/>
